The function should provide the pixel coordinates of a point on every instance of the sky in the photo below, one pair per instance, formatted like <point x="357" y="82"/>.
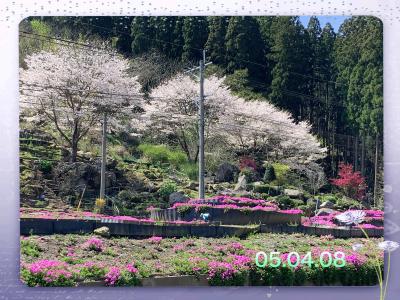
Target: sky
<point x="335" y="21"/>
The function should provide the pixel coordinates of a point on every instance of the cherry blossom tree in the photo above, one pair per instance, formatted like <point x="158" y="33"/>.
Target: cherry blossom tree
<point x="172" y="111"/>
<point x="73" y="86"/>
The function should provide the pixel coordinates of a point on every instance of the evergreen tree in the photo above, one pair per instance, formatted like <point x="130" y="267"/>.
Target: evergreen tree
<point x="244" y="45"/>
<point x="313" y="107"/>
<point x="194" y="37"/>
<point x="142" y="33"/>
<point x="215" y="45"/>
<point x="164" y="34"/>
<point x="290" y="52"/>
<point x="123" y="39"/>
<point x="359" y="61"/>
<point x="177" y="46"/>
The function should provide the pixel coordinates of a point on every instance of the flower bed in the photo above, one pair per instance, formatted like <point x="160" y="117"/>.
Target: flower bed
<point x="86" y="215"/>
<point x="66" y="260"/>
<point x="373" y="218"/>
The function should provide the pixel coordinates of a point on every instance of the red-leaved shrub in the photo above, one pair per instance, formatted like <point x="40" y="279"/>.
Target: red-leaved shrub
<point x="351" y="183"/>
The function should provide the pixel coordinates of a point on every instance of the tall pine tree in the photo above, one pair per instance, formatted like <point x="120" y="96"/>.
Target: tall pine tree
<point x="215" y="45"/>
<point x="245" y="48"/>
<point x="290" y="54"/>
<point x="142" y="33"/>
<point x="195" y="32"/>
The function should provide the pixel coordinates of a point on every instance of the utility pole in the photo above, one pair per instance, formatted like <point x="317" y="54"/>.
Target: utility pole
<point x="200" y="105"/>
<point x="376" y="171"/>
<point x="201" y="128"/>
<point x="103" y="158"/>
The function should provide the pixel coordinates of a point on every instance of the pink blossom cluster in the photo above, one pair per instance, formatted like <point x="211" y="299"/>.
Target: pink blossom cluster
<point x="51" y="270"/>
<point x="112" y="277"/>
<point x="224" y="199"/>
<point x="257" y="205"/>
<point x="41" y="265"/>
<point x="355" y="259"/>
<point x="329" y="220"/>
<point x="240" y="261"/>
<point x="292" y="211"/>
<point x="131" y="269"/>
<point x="155" y="239"/>
<point x="32" y="213"/>
<point x="234" y="247"/>
<point x="224" y="269"/>
<point x="94" y="244"/>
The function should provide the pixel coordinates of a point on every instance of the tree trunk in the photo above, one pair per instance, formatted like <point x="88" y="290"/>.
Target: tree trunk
<point x="74" y="152"/>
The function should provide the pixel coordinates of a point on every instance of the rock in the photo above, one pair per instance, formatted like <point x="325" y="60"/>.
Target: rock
<point x="192" y="186"/>
<point x="292" y="193"/>
<point x="226" y="172"/>
<point x="177" y="197"/>
<point x="102" y="231"/>
<point x="327" y="204"/>
<point x="325" y="212"/>
<point x="241" y="184"/>
<point x="72" y="177"/>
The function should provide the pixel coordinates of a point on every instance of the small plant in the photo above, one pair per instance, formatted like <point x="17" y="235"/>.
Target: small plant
<point x="167" y="188"/>
<point x="247" y="162"/>
<point x="249" y="173"/>
<point x="45" y="166"/>
<point x="99" y="205"/>
<point x="269" y="174"/>
<point x="94" y="244"/>
<point x="183" y="209"/>
<point x="30" y="248"/>
<point x="93" y="271"/>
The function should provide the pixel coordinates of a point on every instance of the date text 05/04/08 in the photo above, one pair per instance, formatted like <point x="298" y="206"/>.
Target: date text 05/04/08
<point x="293" y="259"/>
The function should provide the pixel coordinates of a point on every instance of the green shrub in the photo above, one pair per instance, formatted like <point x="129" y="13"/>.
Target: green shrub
<point x="269" y="174"/>
<point x="182" y="210"/>
<point x="346" y="204"/>
<point x="155" y="153"/>
<point x="267" y="189"/>
<point x="127" y="197"/>
<point x="30" y="248"/>
<point x="284" y="202"/>
<point x="328" y="197"/>
<point x="190" y="170"/>
<point x="177" y="158"/>
<point x="250" y="173"/>
<point x="297" y="202"/>
<point x="281" y="171"/>
<point x="167" y="188"/>
<point x="45" y="166"/>
<point x="159" y="154"/>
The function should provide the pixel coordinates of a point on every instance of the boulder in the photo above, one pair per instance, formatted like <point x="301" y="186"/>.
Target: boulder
<point x="192" y="186"/>
<point x="73" y="176"/>
<point x="325" y="212"/>
<point x="177" y="197"/>
<point x="327" y="204"/>
<point x="226" y="172"/>
<point x="293" y="193"/>
<point x="102" y="231"/>
<point x="241" y="184"/>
